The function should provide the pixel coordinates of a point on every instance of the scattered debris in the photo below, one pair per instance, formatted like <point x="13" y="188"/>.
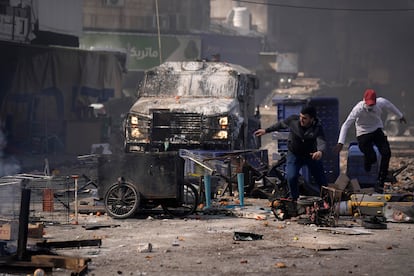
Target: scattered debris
<point x="399" y="212"/>
<point x="144" y="247"/>
<point x="321" y="247"/>
<point x="374" y="223"/>
<point x="47" y="263"/>
<point x="252" y="213"/>
<point x="98" y="226"/>
<point x="280" y="265"/>
<point x="344" y="230"/>
<point x="244" y="236"/>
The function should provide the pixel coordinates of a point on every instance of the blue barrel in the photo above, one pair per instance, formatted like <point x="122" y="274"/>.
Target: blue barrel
<point x="355" y="167"/>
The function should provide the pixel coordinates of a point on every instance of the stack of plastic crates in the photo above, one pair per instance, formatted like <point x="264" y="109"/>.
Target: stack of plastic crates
<point x="328" y="113"/>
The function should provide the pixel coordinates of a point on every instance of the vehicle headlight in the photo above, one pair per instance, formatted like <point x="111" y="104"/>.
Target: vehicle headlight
<point x="223" y="122"/>
<point x="134" y="120"/>
<point x="135" y="133"/>
<point x="222" y="134"/>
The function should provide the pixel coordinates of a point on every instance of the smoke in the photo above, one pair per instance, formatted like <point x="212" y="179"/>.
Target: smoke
<point x="9" y="165"/>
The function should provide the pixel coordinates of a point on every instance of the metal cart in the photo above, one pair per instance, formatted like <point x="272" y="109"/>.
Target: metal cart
<point x="137" y="181"/>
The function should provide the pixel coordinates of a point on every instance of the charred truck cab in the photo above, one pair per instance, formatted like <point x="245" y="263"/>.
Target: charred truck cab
<point x="193" y="105"/>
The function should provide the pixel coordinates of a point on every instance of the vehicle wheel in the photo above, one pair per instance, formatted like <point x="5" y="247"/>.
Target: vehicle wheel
<point x="187" y="206"/>
<point x="393" y="128"/>
<point x="122" y="200"/>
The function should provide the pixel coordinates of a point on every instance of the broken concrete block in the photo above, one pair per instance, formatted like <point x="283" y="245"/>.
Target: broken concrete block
<point x="144" y="247"/>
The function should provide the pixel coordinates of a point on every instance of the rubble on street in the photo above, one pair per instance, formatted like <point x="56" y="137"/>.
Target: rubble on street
<point x="226" y="237"/>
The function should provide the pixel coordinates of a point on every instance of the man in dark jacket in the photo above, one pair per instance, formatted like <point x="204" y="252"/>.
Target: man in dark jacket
<point x="306" y="144"/>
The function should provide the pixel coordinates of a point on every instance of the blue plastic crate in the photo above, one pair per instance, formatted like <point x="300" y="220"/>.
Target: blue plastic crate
<point x="289" y="107"/>
<point x="285" y="108"/>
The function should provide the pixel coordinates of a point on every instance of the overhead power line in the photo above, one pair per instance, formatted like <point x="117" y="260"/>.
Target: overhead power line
<point x="329" y="8"/>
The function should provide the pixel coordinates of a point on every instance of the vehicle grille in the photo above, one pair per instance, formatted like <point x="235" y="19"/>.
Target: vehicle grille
<point x="176" y="127"/>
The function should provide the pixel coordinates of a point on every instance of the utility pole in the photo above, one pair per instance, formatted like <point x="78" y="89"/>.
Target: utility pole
<point x="158" y="29"/>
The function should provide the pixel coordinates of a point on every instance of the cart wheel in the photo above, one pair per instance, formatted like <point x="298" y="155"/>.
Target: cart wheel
<point x="121" y="200"/>
<point x="187" y="206"/>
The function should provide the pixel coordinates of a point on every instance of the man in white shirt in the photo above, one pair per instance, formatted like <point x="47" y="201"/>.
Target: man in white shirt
<point x="366" y="115"/>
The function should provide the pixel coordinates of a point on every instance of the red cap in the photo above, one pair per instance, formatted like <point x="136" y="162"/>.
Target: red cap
<point x="370" y="97"/>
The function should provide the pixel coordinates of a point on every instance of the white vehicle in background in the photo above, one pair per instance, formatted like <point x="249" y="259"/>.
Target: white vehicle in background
<point x="283" y="67"/>
<point x="393" y="127"/>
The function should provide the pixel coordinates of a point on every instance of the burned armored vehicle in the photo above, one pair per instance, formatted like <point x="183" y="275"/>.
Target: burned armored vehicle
<point x="194" y="105"/>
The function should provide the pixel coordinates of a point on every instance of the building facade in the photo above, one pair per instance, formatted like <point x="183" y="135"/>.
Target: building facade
<point x="174" y="16"/>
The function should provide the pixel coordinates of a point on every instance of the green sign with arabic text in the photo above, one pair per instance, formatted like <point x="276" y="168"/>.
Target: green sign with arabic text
<point x="143" y="50"/>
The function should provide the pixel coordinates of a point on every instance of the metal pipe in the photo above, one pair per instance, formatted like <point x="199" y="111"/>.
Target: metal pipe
<point x="199" y="163"/>
<point x="75" y="177"/>
<point x="240" y="183"/>
<point x="207" y="189"/>
<point x="158" y="30"/>
<point x="229" y="176"/>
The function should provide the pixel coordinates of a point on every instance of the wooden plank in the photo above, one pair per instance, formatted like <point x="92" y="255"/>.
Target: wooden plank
<point x="69" y="244"/>
<point x="26" y="267"/>
<point x="70" y="263"/>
